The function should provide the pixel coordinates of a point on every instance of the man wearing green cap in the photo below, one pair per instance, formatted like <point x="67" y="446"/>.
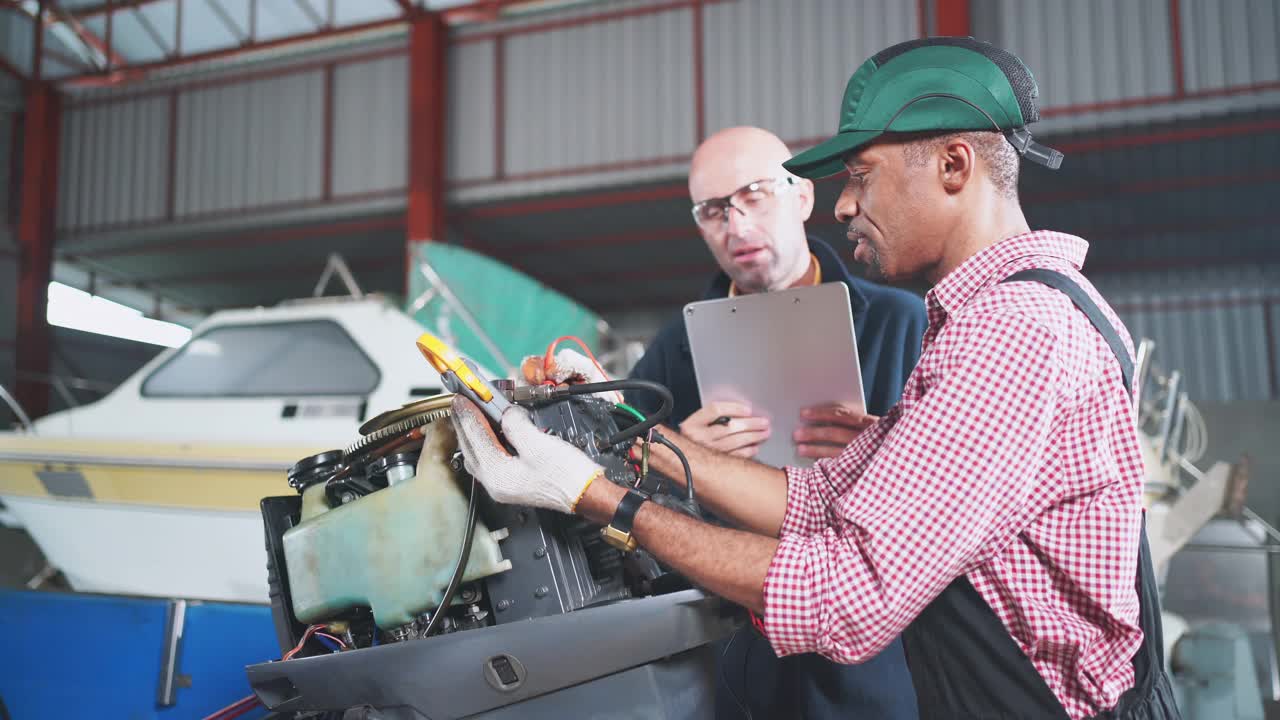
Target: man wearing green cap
<point x="993" y="517"/>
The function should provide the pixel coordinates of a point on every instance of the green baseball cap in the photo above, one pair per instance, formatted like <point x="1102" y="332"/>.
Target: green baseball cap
<point x="932" y="85"/>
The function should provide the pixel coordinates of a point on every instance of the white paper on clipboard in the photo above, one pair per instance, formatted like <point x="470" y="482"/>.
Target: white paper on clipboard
<point x="778" y="352"/>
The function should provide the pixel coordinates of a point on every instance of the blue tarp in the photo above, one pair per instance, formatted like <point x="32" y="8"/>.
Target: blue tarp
<point x="73" y="655"/>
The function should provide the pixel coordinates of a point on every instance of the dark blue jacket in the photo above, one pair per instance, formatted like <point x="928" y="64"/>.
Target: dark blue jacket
<point x="889" y="324"/>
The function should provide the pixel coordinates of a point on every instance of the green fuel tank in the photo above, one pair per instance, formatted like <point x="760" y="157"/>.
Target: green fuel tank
<point x="392" y="550"/>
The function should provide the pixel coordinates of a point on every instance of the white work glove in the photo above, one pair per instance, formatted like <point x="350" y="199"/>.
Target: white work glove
<point x="546" y="472"/>
<point x="569" y="367"/>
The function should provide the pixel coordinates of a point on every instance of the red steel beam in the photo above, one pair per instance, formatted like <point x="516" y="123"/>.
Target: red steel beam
<point x="922" y="17"/>
<point x="565" y="23"/>
<point x="106" y="7"/>
<point x="15" y="145"/>
<point x="236" y="212"/>
<point x="425" y="211"/>
<point x="37" y="45"/>
<point x="272" y="237"/>
<point x="241" y="276"/>
<point x="677" y="190"/>
<point x="1110" y="142"/>
<point x="1175" y="47"/>
<point x="87" y="36"/>
<point x="36" y="232"/>
<point x="11" y="69"/>
<point x="574" y="170"/>
<point x="237" y="78"/>
<point x="1088" y="145"/>
<point x="140" y="71"/>
<point x="577" y="202"/>
<point x="1149" y="101"/>
<point x="951" y="17"/>
<point x="482" y="11"/>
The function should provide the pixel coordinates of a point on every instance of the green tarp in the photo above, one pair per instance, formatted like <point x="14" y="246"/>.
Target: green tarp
<point x="519" y="315"/>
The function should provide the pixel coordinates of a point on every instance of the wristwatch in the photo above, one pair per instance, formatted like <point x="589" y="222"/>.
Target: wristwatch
<point x="618" y="532"/>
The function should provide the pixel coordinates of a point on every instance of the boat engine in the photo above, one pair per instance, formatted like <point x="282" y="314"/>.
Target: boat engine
<point x="390" y="542"/>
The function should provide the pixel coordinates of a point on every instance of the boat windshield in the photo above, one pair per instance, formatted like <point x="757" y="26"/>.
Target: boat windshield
<point x="314" y="357"/>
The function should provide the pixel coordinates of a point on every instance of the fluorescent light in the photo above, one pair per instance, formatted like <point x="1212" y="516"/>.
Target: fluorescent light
<point x="78" y="310"/>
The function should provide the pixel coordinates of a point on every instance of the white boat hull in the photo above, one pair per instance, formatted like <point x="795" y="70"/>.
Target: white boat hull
<point x="157" y="551"/>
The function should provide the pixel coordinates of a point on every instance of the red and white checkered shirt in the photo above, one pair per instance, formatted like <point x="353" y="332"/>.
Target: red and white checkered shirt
<point x="1012" y="458"/>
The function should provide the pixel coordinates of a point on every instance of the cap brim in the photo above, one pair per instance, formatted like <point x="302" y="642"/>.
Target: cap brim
<point x="828" y="158"/>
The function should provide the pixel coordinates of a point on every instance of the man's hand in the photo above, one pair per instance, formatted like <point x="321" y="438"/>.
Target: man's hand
<point x="545" y="472"/>
<point x="742" y="435"/>
<point x="828" y="429"/>
<point x="567" y="367"/>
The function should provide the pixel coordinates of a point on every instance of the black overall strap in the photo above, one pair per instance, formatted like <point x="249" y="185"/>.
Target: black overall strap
<point x="1150" y="696"/>
<point x="966" y="666"/>
<point x="1081" y="299"/>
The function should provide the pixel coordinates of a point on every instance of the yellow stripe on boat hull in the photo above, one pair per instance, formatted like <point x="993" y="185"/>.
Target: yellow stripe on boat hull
<point x="198" y="477"/>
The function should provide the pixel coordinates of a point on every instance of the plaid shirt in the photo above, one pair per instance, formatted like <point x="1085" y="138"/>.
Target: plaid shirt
<point x="1012" y="459"/>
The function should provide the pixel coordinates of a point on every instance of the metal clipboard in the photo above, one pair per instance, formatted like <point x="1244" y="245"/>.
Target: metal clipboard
<point x="778" y="352"/>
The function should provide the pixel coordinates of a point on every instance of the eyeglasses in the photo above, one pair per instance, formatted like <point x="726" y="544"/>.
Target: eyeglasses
<point x="754" y="197"/>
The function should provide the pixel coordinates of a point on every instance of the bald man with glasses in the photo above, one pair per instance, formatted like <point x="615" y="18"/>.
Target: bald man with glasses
<point x="751" y="213"/>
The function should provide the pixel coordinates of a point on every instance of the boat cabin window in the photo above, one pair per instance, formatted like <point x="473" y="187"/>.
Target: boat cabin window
<point x="314" y="357"/>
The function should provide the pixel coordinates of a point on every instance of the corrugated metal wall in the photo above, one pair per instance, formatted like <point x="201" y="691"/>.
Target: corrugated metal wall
<point x="1206" y="195"/>
<point x="1103" y="62"/>
<point x="11" y="90"/>
<point x="113" y="163"/>
<point x="250" y="144"/>
<point x="472" y="116"/>
<point x="240" y="143"/>
<point x="609" y="87"/>
<point x="1218" y="326"/>
<point x="783" y="66"/>
<point x="600" y="93"/>
<point x="16" y="39"/>
<point x="370" y="125"/>
<point x="1229" y="43"/>
<point x="1087" y="51"/>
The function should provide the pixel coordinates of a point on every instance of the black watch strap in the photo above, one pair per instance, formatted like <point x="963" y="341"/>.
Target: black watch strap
<point x="618" y="532"/>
